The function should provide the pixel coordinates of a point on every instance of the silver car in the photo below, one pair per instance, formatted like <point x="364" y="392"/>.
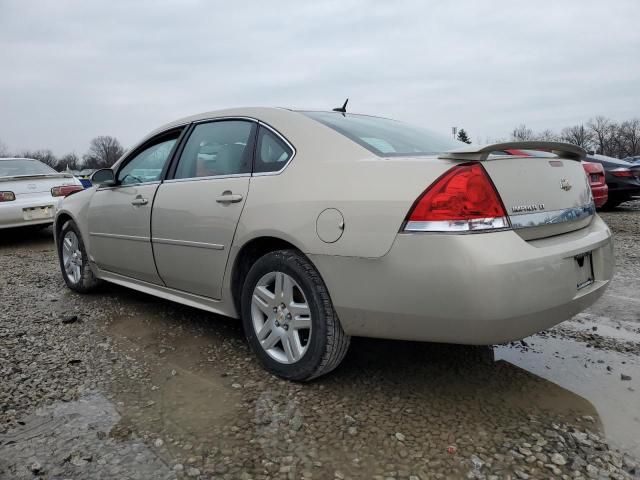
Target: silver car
<point x="313" y="227"/>
<point x="30" y="192"/>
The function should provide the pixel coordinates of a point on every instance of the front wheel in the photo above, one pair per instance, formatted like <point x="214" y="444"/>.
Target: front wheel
<point x="74" y="262"/>
<point x="289" y="319"/>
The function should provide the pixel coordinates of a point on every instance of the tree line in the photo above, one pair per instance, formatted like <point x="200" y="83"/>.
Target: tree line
<point x="102" y="153"/>
<point x="599" y="135"/>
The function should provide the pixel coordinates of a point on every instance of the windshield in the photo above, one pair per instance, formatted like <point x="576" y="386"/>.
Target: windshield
<point x="385" y="137"/>
<point x="24" y="166"/>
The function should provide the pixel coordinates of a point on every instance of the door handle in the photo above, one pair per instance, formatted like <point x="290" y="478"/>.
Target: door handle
<point x="139" y="201"/>
<point x="228" y="197"/>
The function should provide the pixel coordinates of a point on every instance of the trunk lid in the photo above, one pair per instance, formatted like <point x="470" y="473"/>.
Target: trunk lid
<point x="35" y="184"/>
<point x="543" y="194"/>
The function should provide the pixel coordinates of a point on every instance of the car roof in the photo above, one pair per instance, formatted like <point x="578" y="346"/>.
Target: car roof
<point x="265" y="114"/>
<point x="259" y="113"/>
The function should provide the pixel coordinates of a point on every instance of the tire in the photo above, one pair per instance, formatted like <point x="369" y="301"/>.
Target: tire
<point x="78" y="275"/>
<point x="313" y="332"/>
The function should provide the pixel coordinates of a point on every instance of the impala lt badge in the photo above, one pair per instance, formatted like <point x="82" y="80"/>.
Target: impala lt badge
<point x="565" y="185"/>
<point x="527" y="208"/>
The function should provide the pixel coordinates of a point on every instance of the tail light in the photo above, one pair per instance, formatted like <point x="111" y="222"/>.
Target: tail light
<point x="7" y="196"/>
<point x="464" y="199"/>
<point x="65" y="190"/>
<point x="621" y="172"/>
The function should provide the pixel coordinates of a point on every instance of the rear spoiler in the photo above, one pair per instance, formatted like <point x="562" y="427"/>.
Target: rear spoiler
<point x="39" y="175"/>
<point x="482" y="152"/>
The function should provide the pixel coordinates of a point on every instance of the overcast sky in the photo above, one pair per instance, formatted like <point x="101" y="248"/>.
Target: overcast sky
<point x="72" y="70"/>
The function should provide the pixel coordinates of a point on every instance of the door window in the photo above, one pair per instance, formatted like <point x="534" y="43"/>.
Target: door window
<point x="217" y="148"/>
<point x="272" y="153"/>
<point x="147" y="166"/>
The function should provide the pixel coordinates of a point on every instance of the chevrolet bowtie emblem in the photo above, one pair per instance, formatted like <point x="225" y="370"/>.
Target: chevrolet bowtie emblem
<point x="565" y="185"/>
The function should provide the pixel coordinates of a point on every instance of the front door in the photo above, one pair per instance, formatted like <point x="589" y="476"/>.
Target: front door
<point x="120" y="216"/>
<point x="196" y="212"/>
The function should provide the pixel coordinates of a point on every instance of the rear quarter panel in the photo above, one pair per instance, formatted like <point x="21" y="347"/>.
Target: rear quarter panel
<point x="373" y="194"/>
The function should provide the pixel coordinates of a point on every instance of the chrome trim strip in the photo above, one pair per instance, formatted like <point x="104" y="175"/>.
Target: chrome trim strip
<point x="133" y="238"/>
<point x="210" y="177"/>
<point x="129" y="185"/>
<point x="552" y="217"/>
<point x="187" y="243"/>
<point x="458" y="226"/>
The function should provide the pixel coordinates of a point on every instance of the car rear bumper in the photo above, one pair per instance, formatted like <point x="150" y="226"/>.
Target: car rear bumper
<point x="600" y="194"/>
<point x="12" y="214"/>
<point x="472" y="289"/>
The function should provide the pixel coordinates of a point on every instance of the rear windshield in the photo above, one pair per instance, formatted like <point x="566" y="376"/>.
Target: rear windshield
<point x="23" y="166"/>
<point x="385" y="137"/>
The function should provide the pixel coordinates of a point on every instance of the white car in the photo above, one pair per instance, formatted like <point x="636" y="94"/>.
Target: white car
<point x="30" y="192"/>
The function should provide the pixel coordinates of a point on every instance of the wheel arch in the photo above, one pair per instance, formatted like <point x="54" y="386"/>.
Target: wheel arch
<point x="247" y="256"/>
<point x="60" y="220"/>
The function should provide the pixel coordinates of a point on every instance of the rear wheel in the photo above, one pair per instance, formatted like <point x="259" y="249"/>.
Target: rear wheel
<point x="289" y="319"/>
<point x="74" y="262"/>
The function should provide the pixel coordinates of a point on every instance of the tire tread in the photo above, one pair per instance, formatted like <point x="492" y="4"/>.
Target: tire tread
<point x="88" y="281"/>
<point x="337" y="341"/>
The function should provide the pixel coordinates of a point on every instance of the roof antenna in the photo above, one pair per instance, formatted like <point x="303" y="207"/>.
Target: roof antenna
<point x="343" y="108"/>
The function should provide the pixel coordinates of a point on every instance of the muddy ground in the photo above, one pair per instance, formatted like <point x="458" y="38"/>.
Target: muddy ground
<point x="123" y="385"/>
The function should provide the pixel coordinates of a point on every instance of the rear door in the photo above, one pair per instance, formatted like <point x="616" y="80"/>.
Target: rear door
<point x="120" y="216"/>
<point x="197" y="208"/>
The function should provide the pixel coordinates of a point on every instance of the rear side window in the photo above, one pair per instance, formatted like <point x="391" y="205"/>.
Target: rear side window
<point x="216" y="148"/>
<point x="272" y="153"/>
<point x="385" y="137"/>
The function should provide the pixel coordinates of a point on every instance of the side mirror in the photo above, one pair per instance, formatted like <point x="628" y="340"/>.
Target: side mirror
<point x="103" y="177"/>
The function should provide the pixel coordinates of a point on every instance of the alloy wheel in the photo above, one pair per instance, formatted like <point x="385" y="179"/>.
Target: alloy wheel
<point x="72" y="257"/>
<point x="281" y="317"/>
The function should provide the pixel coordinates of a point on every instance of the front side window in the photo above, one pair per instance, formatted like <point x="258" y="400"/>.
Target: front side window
<point x="223" y="147"/>
<point x="147" y="165"/>
<point x="272" y="153"/>
<point x="385" y="137"/>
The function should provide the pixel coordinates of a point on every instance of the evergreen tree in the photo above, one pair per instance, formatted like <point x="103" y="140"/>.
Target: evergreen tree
<point x="463" y="137"/>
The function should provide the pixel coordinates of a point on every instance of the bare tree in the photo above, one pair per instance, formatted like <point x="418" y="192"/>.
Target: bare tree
<point x="522" y="133"/>
<point x="70" y="161"/>
<point x="578" y="135"/>
<point x="629" y="133"/>
<point x="603" y="131"/>
<point x="45" y="156"/>
<point x="547" y="135"/>
<point x="103" y="152"/>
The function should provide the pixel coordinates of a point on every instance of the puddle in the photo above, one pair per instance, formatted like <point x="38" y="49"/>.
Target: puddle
<point x="584" y="371"/>
<point x="204" y="395"/>
<point x="76" y="440"/>
<point x="605" y="327"/>
<point x="184" y="394"/>
<point x="184" y="389"/>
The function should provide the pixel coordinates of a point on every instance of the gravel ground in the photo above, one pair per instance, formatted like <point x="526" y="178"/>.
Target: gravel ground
<point x="119" y="384"/>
